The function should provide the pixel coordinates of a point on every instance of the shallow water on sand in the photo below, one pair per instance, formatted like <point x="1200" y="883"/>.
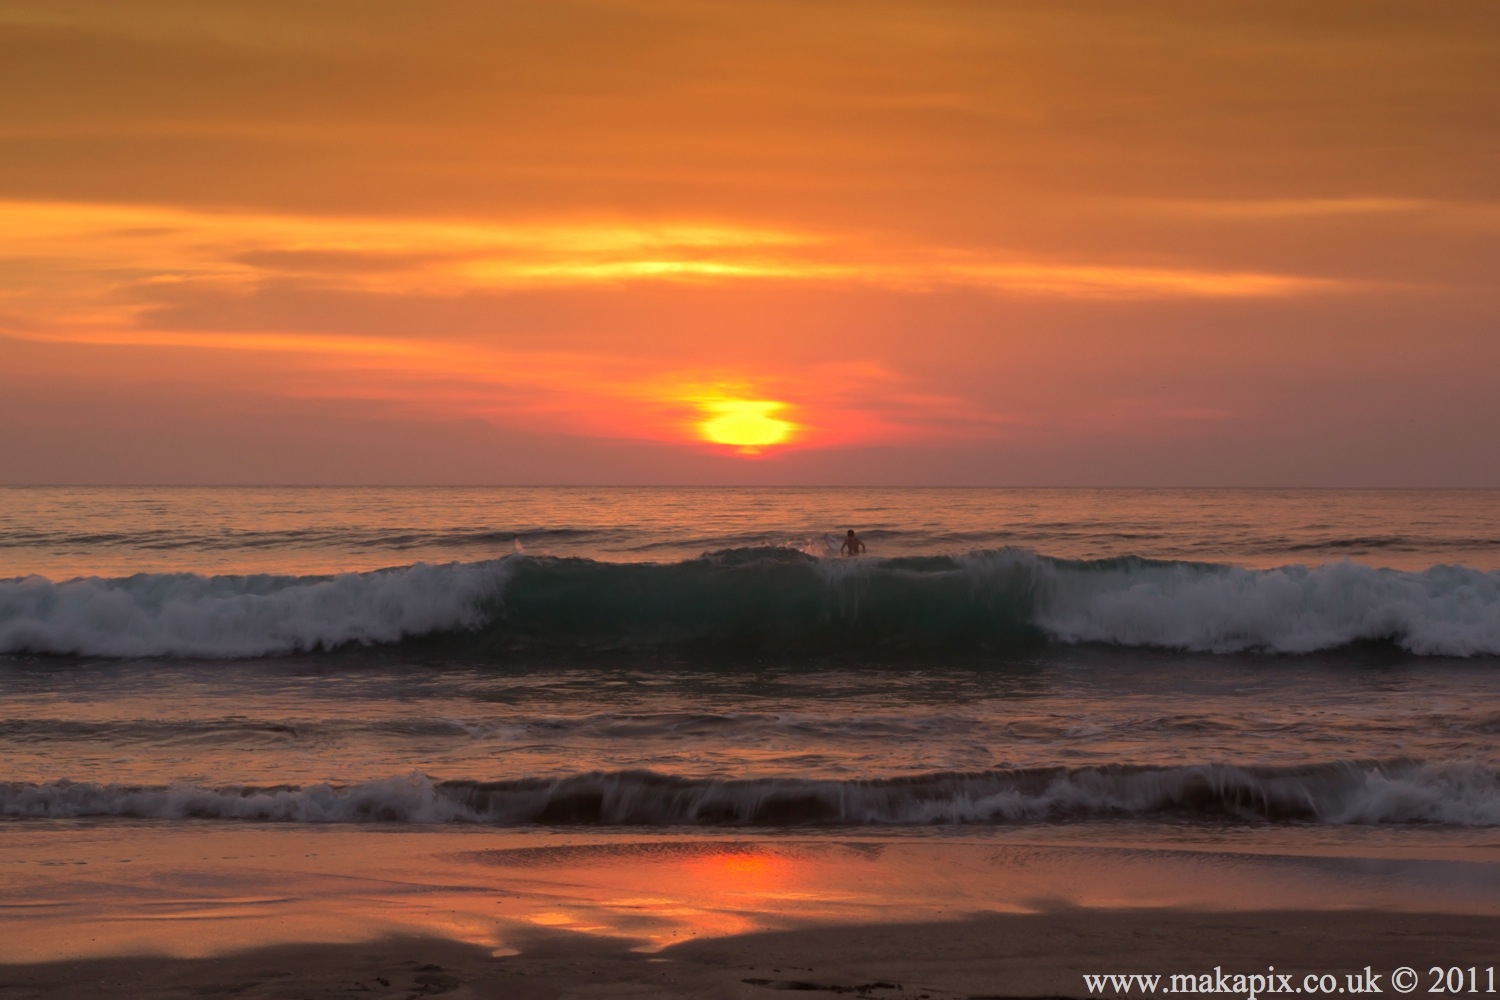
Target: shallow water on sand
<point x="74" y="890"/>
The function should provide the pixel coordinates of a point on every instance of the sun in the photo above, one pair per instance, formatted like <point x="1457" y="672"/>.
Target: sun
<point x="745" y="424"/>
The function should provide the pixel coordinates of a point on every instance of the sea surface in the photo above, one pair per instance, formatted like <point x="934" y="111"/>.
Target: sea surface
<point x="704" y="658"/>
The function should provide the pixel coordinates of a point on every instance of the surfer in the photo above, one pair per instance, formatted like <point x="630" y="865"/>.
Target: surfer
<point x="852" y="545"/>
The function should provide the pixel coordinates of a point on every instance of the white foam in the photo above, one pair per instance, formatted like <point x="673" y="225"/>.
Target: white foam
<point x="229" y="616"/>
<point x="1337" y="794"/>
<point x="1445" y="611"/>
<point x="413" y="799"/>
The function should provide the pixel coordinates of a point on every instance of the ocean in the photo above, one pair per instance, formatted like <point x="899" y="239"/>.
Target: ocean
<point x="1232" y="667"/>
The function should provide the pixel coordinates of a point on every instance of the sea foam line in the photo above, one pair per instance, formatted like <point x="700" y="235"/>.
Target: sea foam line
<point x="1400" y="792"/>
<point x="184" y="614"/>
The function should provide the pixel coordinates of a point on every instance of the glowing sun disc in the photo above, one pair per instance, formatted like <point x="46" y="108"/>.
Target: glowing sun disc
<point x="747" y="424"/>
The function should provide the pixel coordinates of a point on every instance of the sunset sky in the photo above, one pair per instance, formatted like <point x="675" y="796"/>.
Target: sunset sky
<point x="681" y="241"/>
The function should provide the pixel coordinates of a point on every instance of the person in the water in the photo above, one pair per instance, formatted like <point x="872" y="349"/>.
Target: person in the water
<point x="852" y="545"/>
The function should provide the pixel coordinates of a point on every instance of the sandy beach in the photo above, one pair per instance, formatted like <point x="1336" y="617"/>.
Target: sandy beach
<point x="993" y="956"/>
<point x="157" y="910"/>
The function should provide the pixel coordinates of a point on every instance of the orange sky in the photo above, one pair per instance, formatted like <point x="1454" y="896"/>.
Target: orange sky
<point x="1165" y="243"/>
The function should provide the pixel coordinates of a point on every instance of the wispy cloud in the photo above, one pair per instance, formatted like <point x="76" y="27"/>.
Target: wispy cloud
<point x="80" y="256"/>
<point x="1466" y="212"/>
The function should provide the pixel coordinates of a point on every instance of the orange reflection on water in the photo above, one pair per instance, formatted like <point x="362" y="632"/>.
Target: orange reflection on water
<point x="656" y="894"/>
<point x="201" y="890"/>
<point x="741" y="872"/>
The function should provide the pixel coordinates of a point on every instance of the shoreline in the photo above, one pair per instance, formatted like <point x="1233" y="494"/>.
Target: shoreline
<point x="75" y="891"/>
<point x="989" y="956"/>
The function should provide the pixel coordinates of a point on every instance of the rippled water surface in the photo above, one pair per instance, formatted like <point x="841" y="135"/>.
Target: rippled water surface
<point x="663" y="657"/>
<point x="61" y="532"/>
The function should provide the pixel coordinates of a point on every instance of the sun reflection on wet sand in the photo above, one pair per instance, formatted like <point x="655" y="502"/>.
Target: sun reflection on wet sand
<point x="74" y="891"/>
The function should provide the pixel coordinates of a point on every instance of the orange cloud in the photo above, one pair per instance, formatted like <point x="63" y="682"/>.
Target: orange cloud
<point x="79" y="259"/>
<point x="899" y="223"/>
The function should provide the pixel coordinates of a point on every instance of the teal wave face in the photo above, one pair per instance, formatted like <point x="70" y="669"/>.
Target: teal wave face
<point x="767" y="601"/>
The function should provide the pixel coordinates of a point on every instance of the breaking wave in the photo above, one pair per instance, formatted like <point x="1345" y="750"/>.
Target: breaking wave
<point x="1401" y="792"/>
<point x="765" y="602"/>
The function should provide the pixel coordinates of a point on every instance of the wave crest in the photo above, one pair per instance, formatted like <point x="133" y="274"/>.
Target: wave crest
<point x="1338" y="793"/>
<point x="184" y="614"/>
<point x="1444" y="611"/>
<point x="766" y="602"/>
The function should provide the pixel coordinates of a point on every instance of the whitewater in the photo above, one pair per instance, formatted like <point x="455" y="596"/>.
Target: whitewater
<point x="766" y="601"/>
<point x="704" y="659"/>
<point x="1343" y="793"/>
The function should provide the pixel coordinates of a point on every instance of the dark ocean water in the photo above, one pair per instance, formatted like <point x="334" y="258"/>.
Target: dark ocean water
<point x="696" y="657"/>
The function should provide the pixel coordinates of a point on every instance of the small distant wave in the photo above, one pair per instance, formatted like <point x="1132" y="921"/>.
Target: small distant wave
<point x="765" y="602"/>
<point x="345" y="538"/>
<point x="1394" y="792"/>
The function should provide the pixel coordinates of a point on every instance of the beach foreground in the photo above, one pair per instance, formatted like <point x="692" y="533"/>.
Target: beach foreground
<point x="1005" y="955"/>
<point x="153" y="909"/>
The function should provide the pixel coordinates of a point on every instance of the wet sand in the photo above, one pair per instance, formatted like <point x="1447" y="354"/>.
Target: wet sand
<point x="178" y="910"/>
<point x="1007" y="955"/>
<point x="79" y="890"/>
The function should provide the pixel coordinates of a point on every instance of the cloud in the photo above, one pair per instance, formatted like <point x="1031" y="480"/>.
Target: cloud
<point x="1467" y="213"/>
<point x="94" y="256"/>
<point x="908" y="222"/>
